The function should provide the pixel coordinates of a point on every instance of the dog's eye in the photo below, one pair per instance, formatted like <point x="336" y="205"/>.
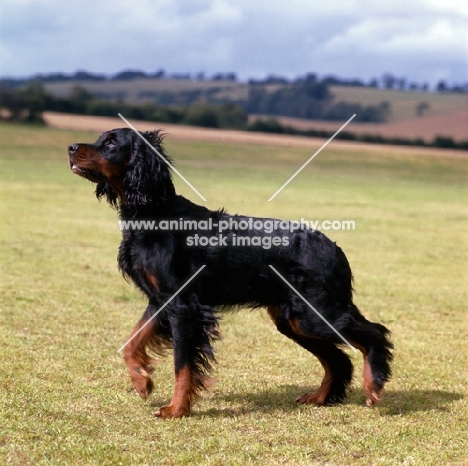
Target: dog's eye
<point x="110" y="143"/>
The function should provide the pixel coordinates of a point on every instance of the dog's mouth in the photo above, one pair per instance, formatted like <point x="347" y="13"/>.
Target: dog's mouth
<point x="75" y="169"/>
<point x="85" y="173"/>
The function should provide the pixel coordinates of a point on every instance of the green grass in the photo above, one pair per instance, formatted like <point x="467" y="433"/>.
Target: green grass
<point x="65" y="310"/>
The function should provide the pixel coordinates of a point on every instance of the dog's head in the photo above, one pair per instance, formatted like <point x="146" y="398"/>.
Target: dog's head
<point x="129" y="168"/>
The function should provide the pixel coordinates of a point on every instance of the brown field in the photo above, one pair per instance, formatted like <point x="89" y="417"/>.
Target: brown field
<point x="447" y="114"/>
<point x="453" y="124"/>
<point x="191" y="133"/>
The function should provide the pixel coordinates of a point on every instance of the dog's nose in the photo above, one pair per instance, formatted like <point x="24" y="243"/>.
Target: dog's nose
<point x="72" y="148"/>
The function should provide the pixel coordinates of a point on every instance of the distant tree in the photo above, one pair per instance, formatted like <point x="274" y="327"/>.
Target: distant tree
<point x="85" y="76"/>
<point x="273" y="79"/>
<point x="371" y="113"/>
<point x="442" y="86"/>
<point x="52" y="77"/>
<point x="460" y="88"/>
<point x="231" y="116"/>
<point x="388" y="81"/>
<point x="13" y="103"/>
<point x="79" y="98"/>
<point x="202" y="115"/>
<point x="128" y="75"/>
<point x="230" y="76"/>
<point x="35" y="97"/>
<point x="443" y="141"/>
<point x="314" y="89"/>
<point x="311" y="78"/>
<point x="270" y="125"/>
<point x="401" y="84"/>
<point x="81" y="93"/>
<point x="334" y="81"/>
<point x="373" y="83"/>
<point x="24" y="104"/>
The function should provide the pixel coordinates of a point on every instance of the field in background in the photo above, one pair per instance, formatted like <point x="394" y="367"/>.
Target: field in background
<point x="140" y="90"/>
<point x="446" y="114"/>
<point x="65" y="310"/>
<point x="452" y="125"/>
<point x="195" y="133"/>
<point x="403" y="103"/>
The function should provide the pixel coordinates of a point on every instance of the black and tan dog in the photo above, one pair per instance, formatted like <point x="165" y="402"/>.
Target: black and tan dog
<point x="137" y="181"/>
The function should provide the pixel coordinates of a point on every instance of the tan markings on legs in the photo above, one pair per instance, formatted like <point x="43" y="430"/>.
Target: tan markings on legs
<point x="184" y="394"/>
<point x="372" y="391"/>
<point x="139" y="363"/>
<point x="321" y="394"/>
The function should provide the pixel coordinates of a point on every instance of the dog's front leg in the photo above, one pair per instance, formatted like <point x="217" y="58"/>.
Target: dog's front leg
<point x="151" y="332"/>
<point x="194" y="327"/>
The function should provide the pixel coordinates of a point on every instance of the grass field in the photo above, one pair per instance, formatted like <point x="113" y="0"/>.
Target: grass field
<point x="65" y="310"/>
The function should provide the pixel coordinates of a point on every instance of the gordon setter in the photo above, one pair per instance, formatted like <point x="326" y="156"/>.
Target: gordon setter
<point x="136" y="180"/>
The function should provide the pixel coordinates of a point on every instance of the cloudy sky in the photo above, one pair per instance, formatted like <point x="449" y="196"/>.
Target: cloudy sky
<point x="422" y="40"/>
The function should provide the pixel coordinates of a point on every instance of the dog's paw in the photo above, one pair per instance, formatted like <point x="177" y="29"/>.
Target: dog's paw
<point x="171" y="412"/>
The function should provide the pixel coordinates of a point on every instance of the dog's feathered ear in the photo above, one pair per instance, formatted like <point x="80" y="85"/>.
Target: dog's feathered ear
<point x="105" y="190"/>
<point x="148" y="178"/>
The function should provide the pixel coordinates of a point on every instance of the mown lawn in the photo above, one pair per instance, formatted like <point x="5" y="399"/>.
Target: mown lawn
<point x="65" y="396"/>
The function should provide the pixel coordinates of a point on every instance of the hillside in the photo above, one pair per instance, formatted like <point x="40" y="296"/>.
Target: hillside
<point x="305" y="104"/>
<point x="161" y="91"/>
<point x="404" y="104"/>
<point x="452" y="124"/>
<point x="441" y="115"/>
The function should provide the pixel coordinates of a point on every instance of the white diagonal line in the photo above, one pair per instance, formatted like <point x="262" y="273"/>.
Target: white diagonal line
<point x="313" y="308"/>
<point x="161" y="156"/>
<point x="298" y="171"/>
<point x="161" y="308"/>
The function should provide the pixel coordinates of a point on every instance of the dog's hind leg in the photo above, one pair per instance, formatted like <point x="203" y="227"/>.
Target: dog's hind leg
<point x="337" y="365"/>
<point x="372" y="340"/>
<point x="194" y="328"/>
<point x="148" y="333"/>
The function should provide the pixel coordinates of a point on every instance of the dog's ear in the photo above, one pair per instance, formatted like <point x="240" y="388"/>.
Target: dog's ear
<point x="105" y="190"/>
<point x="148" y="178"/>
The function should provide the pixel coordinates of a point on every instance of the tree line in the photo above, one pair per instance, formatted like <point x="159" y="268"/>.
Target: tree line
<point x="388" y="80"/>
<point x="27" y="105"/>
<point x="306" y="97"/>
<point x="310" y="98"/>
